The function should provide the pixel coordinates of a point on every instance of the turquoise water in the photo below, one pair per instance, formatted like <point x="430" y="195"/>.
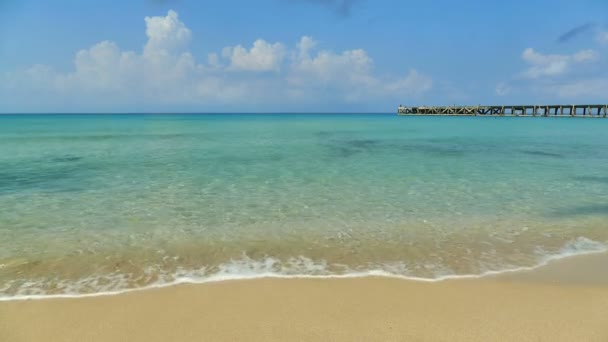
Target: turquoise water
<point x="97" y="203"/>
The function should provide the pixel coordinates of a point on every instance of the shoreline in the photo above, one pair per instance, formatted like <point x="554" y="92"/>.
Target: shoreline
<point x="524" y="272"/>
<point x="565" y="300"/>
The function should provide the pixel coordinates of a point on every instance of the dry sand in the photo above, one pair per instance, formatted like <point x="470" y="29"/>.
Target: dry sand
<point x="565" y="301"/>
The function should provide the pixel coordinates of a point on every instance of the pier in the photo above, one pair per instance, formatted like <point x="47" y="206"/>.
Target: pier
<point x="583" y="111"/>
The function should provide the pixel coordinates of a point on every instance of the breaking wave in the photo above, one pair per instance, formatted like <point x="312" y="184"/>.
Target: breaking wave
<point x="295" y="267"/>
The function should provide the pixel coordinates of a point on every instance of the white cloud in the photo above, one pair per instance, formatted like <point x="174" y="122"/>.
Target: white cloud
<point x="582" y="88"/>
<point x="103" y="72"/>
<point x="413" y="83"/>
<point x="214" y="61"/>
<point x="102" y="66"/>
<point x="352" y="66"/>
<point x="352" y="71"/>
<point x="580" y="76"/>
<point x="164" y="72"/>
<point x="552" y="65"/>
<point x="586" y="56"/>
<point x="305" y="45"/>
<point x="262" y="56"/>
<point x="166" y="34"/>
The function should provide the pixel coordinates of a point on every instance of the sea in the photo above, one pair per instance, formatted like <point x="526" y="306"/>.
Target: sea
<point x="103" y="204"/>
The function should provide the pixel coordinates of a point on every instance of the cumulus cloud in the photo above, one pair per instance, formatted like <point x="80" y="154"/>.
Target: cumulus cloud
<point x="102" y="66"/>
<point x="262" y="56"/>
<point x="305" y="45"/>
<point x="161" y="71"/>
<point x="351" y="66"/>
<point x="414" y="83"/>
<point x="580" y="76"/>
<point x="352" y="70"/>
<point x="214" y="61"/>
<point x="164" y="72"/>
<point x="541" y="65"/>
<point x="580" y="88"/>
<point x="166" y="34"/>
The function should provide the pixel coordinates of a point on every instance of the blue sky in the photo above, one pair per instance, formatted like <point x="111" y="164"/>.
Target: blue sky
<point x="298" y="55"/>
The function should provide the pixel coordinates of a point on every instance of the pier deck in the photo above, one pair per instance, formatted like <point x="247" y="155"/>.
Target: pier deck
<point x="588" y="111"/>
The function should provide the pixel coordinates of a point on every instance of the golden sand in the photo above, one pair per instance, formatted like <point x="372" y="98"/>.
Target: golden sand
<point x="548" y="304"/>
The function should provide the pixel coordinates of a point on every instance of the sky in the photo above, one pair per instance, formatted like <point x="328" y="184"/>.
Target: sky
<point x="298" y="55"/>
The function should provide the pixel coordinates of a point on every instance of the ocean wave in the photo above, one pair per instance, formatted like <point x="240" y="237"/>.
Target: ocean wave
<point x="300" y="267"/>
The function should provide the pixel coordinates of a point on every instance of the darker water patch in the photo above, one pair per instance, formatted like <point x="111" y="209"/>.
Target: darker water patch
<point x="540" y="153"/>
<point x="593" y="179"/>
<point x="583" y="210"/>
<point x="441" y="150"/>
<point x="110" y="136"/>
<point x="344" y="152"/>
<point x="20" y="180"/>
<point x="248" y="159"/>
<point x="351" y="147"/>
<point x="348" y="148"/>
<point x="66" y="159"/>
<point x="362" y="143"/>
<point x="59" y="176"/>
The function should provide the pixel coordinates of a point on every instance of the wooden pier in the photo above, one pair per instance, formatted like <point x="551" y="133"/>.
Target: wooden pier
<point x="582" y="111"/>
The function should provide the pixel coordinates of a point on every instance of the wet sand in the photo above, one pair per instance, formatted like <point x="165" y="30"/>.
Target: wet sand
<point x="564" y="301"/>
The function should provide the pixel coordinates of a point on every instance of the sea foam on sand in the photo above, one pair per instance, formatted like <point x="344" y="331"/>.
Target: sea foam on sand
<point x="301" y="267"/>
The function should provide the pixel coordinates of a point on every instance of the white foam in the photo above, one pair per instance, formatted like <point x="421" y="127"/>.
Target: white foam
<point x="582" y="245"/>
<point x="294" y="268"/>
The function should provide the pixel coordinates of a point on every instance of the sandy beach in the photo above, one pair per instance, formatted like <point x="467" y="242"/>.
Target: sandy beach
<point x="564" y="301"/>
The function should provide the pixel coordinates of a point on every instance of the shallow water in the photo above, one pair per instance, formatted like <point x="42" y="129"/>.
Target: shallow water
<point x="108" y="202"/>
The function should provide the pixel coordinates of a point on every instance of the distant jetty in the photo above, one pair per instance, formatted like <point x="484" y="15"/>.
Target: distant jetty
<point x="583" y="111"/>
